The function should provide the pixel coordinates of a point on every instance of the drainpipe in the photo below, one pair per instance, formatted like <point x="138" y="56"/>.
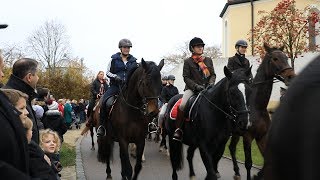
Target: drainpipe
<point x="252" y="27"/>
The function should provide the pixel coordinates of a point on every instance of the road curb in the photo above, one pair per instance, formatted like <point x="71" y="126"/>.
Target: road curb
<point x="253" y="166"/>
<point x="79" y="164"/>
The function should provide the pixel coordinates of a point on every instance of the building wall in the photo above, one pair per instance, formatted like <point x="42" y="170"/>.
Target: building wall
<point x="237" y="21"/>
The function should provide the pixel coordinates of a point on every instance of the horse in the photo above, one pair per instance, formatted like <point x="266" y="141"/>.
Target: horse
<point x="274" y="65"/>
<point x="131" y="113"/>
<point x="292" y="150"/>
<point x="212" y="116"/>
<point x="93" y="122"/>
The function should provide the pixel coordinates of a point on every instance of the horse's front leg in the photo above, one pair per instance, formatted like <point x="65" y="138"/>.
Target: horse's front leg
<point x="232" y="149"/>
<point x="92" y="135"/>
<point x="247" y="141"/>
<point x="207" y="161"/>
<point x="138" y="166"/>
<point x="190" y="154"/>
<point x="126" y="168"/>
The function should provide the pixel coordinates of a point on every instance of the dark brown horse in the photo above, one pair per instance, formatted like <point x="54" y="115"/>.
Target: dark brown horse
<point x="274" y="65"/>
<point x="132" y="111"/>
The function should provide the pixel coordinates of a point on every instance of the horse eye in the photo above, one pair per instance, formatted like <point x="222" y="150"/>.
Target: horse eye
<point x="275" y="59"/>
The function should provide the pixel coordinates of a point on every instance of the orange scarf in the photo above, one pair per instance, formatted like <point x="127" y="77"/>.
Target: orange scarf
<point x="199" y="60"/>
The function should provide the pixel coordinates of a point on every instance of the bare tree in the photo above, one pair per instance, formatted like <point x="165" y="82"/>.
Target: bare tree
<point x="50" y="44"/>
<point x="212" y="52"/>
<point x="11" y="53"/>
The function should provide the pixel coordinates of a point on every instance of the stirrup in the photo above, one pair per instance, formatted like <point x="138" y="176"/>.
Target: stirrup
<point x="180" y="134"/>
<point x="99" y="133"/>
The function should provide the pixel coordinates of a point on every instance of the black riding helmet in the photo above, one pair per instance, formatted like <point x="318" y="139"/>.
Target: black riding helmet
<point x="242" y="43"/>
<point x="171" y="77"/>
<point x="194" y="42"/>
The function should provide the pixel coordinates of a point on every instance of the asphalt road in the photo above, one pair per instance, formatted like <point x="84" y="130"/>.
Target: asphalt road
<point x="156" y="167"/>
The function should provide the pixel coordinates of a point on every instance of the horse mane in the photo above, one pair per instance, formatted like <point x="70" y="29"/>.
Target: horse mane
<point x="131" y="71"/>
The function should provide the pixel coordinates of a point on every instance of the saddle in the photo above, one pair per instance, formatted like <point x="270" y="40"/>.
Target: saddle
<point x="187" y="110"/>
<point x="111" y="100"/>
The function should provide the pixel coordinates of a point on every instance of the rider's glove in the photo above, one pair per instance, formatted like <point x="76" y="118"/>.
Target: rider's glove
<point x="199" y="87"/>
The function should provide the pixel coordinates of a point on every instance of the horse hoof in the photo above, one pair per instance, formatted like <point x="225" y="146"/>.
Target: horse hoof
<point x="237" y="177"/>
<point x="218" y="175"/>
<point x="109" y="177"/>
<point x="161" y="149"/>
<point x="168" y="153"/>
<point x="93" y="148"/>
<point x="192" y="177"/>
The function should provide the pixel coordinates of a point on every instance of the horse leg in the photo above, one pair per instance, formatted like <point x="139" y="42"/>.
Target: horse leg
<point x="176" y="156"/>
<point x="216" y="155"/>
<point x="108" y="170"/>
<point x="207" y="161"/>
<point x="247" y="141"/>
<point x="190" y="154"/>
<point x="140" y="152"/>
<point x="92" y="134"/>
<point x="126" y="168"/>
<point x="232" y="149"/>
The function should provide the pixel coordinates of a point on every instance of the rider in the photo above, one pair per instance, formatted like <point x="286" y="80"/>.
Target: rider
<point x="239" y="60"/>
<point x="167" y="93"/>
<point x="98" y="87"/>
<point x="164" y="81"/>
<point x="121" y="63"/>
<point x="198" y="73"/>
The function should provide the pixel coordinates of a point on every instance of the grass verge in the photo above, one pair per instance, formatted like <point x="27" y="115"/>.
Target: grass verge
<point x="67" y="155"/>
<point x="257" y="159"/>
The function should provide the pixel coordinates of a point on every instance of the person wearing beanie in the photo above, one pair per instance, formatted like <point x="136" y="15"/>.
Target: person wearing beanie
<point x="53" y="119"/>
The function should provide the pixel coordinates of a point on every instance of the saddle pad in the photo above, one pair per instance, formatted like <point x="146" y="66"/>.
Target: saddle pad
<point x="174" y="110"/>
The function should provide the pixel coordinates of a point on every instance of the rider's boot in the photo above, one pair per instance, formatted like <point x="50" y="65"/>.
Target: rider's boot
<point x="104" y="116"/>
<point x="178" y="134"/>
<point x="101" y="131"/>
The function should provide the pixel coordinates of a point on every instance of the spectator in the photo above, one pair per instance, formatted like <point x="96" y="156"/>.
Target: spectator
<point x="67" y="113"/>
<point x="61" y="103"/>
<point x="24" y="78"/>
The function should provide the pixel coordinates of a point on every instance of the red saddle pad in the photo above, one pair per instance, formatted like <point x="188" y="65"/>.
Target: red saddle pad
<point x="174" y="110"/>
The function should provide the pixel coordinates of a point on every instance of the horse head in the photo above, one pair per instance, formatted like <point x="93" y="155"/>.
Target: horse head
<point x="150" y="86"/>
<point x="278" y="64"/>
<point x="238" y="92"/>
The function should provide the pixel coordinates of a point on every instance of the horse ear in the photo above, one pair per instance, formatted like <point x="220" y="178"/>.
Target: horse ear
<point x="144" y="64"/>
<point x="227" y="72"/>
<point x="248" y="71"/>
<point x="161" y="64"/>
<point x="267" y="47"/>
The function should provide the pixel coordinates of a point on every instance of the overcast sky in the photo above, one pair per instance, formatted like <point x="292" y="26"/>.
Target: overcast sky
<point x="156" y="28"/>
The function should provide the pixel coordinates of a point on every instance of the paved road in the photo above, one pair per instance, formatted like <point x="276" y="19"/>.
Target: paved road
<point x="156" y="167"/>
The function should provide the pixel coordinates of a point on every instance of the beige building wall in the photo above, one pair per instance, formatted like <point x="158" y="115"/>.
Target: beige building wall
<point x="236" y="21"/>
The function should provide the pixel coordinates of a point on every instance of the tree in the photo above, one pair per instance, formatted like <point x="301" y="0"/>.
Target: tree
<point x="49" y="44"/>
<point x="285" y="25"/>
<point x="11" y="53"/>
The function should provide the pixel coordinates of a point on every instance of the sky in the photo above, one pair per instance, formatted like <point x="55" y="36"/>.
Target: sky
<point x="94" y="27"/>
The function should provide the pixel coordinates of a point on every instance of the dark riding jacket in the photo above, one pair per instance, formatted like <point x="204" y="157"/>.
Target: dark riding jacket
<point x="16" y="83"/>
<point x="119" y="68"/>
<point x="168" y="92"/>
<point x="238" y="61"/>
<point x="193" y="75"/>
<point x="96" y="86"/>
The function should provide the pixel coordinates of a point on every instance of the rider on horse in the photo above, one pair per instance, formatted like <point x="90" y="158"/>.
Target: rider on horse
<point x="198" y="73"/>
<point x="98" y="87"/>
<point x="121" y="63"/>
<point x="168" y="91"/>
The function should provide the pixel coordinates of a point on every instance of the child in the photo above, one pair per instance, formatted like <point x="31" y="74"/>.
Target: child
<point x="50" y="143"/>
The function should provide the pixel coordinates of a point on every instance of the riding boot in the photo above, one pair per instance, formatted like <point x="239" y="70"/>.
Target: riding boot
<point x="178" y="134"/>
<point x="101" y="131"/>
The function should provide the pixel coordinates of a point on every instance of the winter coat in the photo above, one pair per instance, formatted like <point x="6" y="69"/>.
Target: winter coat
<point x="95" y="88"/>
<point x="67" y="113"/>
<point x="168" y="92"/>
<point x="14" y="157"/>
<point x="193" y="75"/>
<point x="39" y="167"/>
<point x="54" y="121"/>
<point x="119" y="68"/>
<point x="16" y="83"/>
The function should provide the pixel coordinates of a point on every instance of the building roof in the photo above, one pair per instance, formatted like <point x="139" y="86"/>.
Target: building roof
<point x="232" y="2"/>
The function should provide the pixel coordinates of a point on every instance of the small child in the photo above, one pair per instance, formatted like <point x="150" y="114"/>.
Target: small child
<point x="50" y="143"/>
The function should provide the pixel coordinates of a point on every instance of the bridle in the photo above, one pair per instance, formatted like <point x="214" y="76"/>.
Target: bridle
<point x="276" y="75"/>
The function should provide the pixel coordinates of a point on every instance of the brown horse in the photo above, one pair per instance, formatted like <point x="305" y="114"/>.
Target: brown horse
<point x="274" y="65"/>
<point x="128" y="121"/>
<point x="93" y="122"/>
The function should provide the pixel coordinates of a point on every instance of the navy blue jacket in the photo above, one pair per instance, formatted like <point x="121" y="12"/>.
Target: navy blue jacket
<point x="121" y="69"/>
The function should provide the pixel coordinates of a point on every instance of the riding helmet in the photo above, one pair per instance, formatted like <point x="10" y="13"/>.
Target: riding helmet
<point x="125" y="43"/>
<point x="171" y="77"/>
<point x="242" y="43"/>
<point x="165" y="78"/>
<point x="194" y="42"/>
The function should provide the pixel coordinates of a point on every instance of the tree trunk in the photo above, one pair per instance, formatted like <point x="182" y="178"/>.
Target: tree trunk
<point x="292" y="63"/>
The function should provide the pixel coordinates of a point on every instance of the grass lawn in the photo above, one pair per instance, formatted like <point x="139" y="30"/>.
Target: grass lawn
<point x="256" y="156"/>
<point x="67" y="155"/>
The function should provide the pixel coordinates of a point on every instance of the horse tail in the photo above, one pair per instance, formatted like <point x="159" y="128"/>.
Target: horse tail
<point x="105" y="149"/>
<point x="85" y="130"/>
<point x="176" y="154"/>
